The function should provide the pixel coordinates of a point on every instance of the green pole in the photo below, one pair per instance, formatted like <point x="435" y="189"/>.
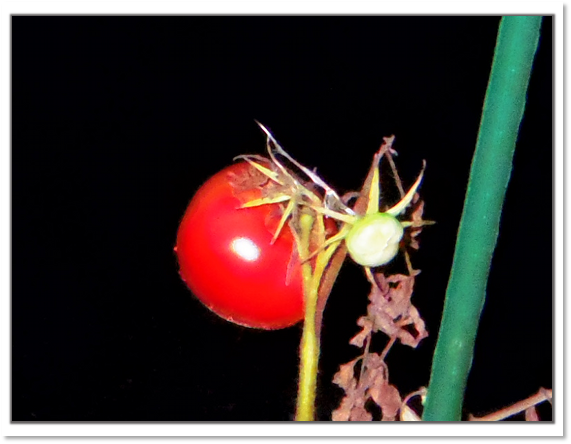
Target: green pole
<point x="503" y="109"/>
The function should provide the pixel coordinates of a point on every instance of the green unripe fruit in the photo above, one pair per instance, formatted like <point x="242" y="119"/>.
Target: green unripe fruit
<point x="374" y="239"/>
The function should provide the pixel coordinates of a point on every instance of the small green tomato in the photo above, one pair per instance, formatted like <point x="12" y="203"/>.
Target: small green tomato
<point x="374" y="239"/>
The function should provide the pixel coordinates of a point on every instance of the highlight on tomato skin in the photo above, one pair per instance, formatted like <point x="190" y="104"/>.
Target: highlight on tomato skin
<point x="227" y="260"/>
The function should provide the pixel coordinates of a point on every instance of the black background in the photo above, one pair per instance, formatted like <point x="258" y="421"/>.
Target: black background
<point x="118" y="120"/>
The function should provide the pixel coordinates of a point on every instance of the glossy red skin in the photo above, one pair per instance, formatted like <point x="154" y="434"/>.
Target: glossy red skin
<point x="265" y="293"/>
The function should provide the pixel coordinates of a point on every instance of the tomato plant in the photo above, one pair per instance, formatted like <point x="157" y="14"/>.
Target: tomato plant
<point x="227" y="257"/>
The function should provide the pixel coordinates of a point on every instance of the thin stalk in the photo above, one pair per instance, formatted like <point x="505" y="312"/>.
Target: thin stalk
<point x="309" y="348"/>
<point x="521" y="406"/>
<point x="490" y="172"/>
<point x="310" y="342"/>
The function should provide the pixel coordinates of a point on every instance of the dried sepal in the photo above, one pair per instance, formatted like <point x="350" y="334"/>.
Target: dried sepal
<point x="295" y="172"/>
<point x="417" y="223"/>
<point x="249" y="179"/>
<point x="407" y="199"/>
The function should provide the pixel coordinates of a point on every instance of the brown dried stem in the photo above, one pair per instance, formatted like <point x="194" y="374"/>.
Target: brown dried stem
<point x="519" y="407"/>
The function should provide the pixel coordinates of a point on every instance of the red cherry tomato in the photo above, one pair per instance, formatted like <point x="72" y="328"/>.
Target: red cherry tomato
<point x="227" y="259"/>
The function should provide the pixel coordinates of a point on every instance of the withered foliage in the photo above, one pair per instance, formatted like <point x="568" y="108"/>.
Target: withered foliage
<point x="391" y="312"/>
<point x="373" y="384"/>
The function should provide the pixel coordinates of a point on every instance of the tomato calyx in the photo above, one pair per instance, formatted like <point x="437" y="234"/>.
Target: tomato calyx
<point x="383" y="229"/>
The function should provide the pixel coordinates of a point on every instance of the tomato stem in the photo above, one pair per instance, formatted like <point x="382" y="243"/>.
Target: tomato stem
<point x="310" y="344"/>
<point x="309" y="348"/>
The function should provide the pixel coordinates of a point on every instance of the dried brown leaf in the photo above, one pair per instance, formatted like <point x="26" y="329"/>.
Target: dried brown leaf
<point x="391" y="309"/>
<point x="385" y="323"/>
<point x="419" y="326"/>
<point x="343" y="412"/>
<point x="390" y="402"/>
<point x="359" y="413"/>
<point x="351" y="404"/>
<point x="385" y="395"/>
<point x="359" y="339"/>
<point x="374" y="361"/>
<point x="345" y="377"/>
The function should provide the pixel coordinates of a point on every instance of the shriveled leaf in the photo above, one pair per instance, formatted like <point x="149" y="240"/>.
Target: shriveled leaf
<point x="419" y="326"/>
<point x="345" y="377"/>
<point x="359" y="413"/>
<point x="359" y="339"/>
<point x="385" y="323"/>
<point x="400" y="295"/>
<point x="374" y="361"/>
<point x="385" y="395"/>
<point x="351" y="404"/>
<point x="391" y="309"/>
<point x="344" y="411"/>
<point x="391" y="402"/>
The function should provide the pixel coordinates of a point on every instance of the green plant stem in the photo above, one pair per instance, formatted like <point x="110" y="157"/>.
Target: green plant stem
<point x="309" y="348"/>
<point x="491" y="168"/>
<point x="310" y="342"/>
<point x="309" y="362"/>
